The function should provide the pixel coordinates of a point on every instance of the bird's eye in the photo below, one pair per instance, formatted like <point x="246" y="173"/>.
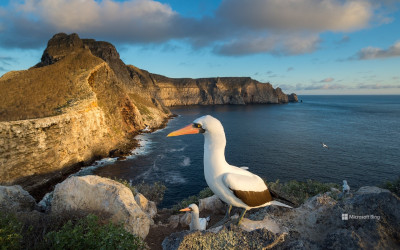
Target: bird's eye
<point x="196" y="125"/>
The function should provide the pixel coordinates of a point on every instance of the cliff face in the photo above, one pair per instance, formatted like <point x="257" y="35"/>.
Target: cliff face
<point x="35" y="151"/>
<point x="210" y="91"/>
<point x="81" y="101"/>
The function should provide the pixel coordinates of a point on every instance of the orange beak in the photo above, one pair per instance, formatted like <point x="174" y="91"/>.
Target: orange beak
<point x="189" y="129"/>
<point x="186" y="209"/>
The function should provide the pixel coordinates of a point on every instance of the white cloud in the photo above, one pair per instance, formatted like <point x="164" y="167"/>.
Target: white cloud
<point x="278" y="44"/>
<point x="329" y="86"/>
<point x="317" y="15"/>
<point x="378" y="86"/>
<point x="135" y="21"/>
<point x="329" y="79"/>
<point x="82" y="15"/>
<point x="376" y="53"/>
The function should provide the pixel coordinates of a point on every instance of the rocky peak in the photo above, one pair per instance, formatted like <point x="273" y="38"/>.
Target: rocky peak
<point x="58" y="47"/>
<point x="104" y="50"/>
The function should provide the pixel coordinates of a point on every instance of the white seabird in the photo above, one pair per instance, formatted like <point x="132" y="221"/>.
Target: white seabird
<point x="324" y="145"/>
<point x="235" y="186"/>
<point x="196" y="223"/>
<point x="346" y="187"/>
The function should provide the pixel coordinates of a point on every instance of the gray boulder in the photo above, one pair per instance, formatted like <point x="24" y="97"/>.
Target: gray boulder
<point x="212" y="203"/>
<point x="149" y="207"/>
<point x="94" y="193"/>
<point x="16" y="199"/>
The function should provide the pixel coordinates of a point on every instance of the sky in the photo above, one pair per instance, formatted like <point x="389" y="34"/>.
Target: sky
<point x="302" y="46"/>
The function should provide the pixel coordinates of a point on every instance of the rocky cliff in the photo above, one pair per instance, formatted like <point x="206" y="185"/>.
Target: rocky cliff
<point x="70" y="108"/>
<point x="81" y="102"/>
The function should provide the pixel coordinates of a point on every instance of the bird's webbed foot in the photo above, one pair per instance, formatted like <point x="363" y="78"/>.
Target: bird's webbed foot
<point x="225" y="219"/>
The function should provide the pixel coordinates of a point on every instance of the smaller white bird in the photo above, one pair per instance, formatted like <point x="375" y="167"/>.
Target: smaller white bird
<point x="346" y="187"/>
<point x="324" y="145"/>
<point x="146" y="129"/>
<point x="196" y="223"/>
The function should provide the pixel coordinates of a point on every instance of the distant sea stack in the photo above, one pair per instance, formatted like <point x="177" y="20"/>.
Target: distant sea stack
<point x="81" y="102"/>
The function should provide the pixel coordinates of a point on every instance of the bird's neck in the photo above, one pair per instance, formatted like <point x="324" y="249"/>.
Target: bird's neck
<point x="214" y="152"/>
<point x="195" y="222"/>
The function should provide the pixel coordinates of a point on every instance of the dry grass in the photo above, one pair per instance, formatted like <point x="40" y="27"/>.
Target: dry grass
<point x="46" y="91"/>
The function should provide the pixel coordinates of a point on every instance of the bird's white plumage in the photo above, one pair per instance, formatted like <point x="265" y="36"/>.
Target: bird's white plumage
<point x="197" y="223"/>
<point x="242" y="182"/>
<point x="220" y="176"/>
<point x="346" y="187"/>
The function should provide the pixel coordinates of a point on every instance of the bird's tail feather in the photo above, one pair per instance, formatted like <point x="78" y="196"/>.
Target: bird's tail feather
<point x="275" y="196"/>
<point x="277" y="203"/>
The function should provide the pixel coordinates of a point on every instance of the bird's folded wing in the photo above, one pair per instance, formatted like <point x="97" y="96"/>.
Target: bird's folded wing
<point x="249" y="189"/>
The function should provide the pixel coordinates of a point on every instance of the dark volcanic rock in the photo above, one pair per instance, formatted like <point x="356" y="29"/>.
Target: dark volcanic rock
<point x="293" y="98"/>
<point x="58" y="47"/>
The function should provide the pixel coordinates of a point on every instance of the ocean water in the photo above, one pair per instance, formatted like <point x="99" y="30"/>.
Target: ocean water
<point x="276" y="142"/>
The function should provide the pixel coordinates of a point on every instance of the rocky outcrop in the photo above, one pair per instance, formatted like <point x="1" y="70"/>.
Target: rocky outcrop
<point x="367" y="220"/>
<point x="93" y="193"/>
<point x="149" y="207"/>
<point x="212" y="203"/>
<point x="16" y="199"/>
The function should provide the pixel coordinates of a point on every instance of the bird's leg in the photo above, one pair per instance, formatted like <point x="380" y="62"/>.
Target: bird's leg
<point x="241" y="216"/>
<point x="225" y="219"/>
<point x="228" y="213"/>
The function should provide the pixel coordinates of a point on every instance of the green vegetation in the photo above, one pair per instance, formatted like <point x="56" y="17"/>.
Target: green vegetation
<point x="153" y="192"/>
<point x="10" y="231"/>
<point x="298" y="192"/>
<point x="73" y="230"/>
<point x="88" y="233"/>
<point x="193" y="199"/>
<point x="393" y="187"/>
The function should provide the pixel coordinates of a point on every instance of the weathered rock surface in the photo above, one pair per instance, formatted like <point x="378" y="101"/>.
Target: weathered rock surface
<point x="93" y="193"/>
<point x="149" y="207"/>
<point x="370" y="219"/>
<point x="16" y="199"/>
<point x="212" y="203"/>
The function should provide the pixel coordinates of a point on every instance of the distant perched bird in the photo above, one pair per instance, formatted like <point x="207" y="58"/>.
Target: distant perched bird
<point x="346" y="187"/>
<point x="196" y="223"/>
<point x="235" y="186"/>
<point x="146" y="129"/>
<point x="324" y="145"/>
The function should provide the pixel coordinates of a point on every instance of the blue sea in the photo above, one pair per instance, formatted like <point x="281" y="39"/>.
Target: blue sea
<point x="276" y="141"/>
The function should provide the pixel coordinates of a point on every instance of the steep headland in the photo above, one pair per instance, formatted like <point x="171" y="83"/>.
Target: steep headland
<point x="81" y="102"/>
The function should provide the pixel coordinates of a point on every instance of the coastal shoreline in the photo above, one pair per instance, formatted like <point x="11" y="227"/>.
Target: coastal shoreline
<point x="120" y="153"/>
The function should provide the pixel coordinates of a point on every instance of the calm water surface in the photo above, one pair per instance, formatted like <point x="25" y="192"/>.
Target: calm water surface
<point x="276" y="142"/>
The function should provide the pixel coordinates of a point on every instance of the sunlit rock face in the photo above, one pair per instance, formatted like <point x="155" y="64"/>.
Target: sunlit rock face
<point x="94" y="193"/>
